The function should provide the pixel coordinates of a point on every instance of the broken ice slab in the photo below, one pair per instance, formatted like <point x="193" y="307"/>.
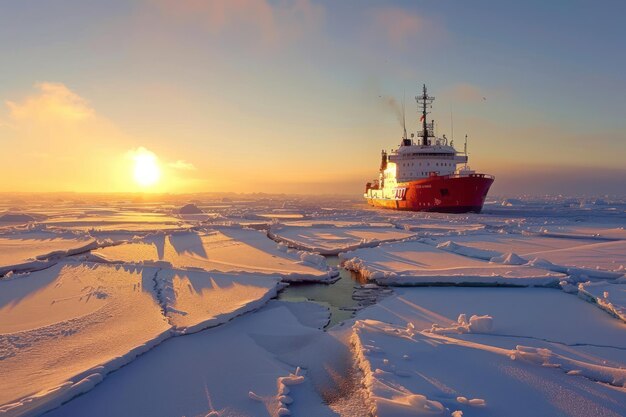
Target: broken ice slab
<point x="195" y="300"/>
<point x="224" y="249"/>
<point x="328" y="239"/>
<point x="607" y="295"/>
<point x="416" y="263"/>
<point x="35" y="248"/>
<point x="64" y="328"/>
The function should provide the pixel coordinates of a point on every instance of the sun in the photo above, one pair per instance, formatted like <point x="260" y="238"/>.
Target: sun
<point x="146" y="171"/>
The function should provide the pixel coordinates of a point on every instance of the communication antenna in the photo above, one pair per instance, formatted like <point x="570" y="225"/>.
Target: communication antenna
<point x="465" y="150"/>
<point x="424" y="103"/>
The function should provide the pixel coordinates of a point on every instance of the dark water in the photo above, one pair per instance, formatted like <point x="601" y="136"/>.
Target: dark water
<point x="336" y="296"/>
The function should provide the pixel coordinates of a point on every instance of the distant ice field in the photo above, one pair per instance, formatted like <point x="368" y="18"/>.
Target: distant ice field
<point x="165" y="305"/>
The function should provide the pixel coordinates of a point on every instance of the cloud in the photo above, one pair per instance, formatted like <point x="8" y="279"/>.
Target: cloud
<point x="66" y="145"/>
<point x="54" y="102"/>
<point x="465" y="93"/>
<point x="397" y="24"/>
<point x="262" y="20"/>
<point x="401" y="28"/>
<point x="182" y="165"/>
<point x="62" y="141"/>
<point x="141" y="152"/>
<point x="470" y="93"/>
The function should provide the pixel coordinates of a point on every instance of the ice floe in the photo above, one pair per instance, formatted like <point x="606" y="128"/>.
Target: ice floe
<point x="224" y="371"/>
<point x="195" y="300"/>
<point x="530" y="363"/>
<point x="36" y="248"/>
<point x="608" y="296"/>
<point x="225" y="249"/>
<point x="570" y="256"/>
<point x="114" y="220"/>
<point x="416" y="263"/>
<point x="171" y="270"/>
<point x="329" y="239"/>
<point x="64" y="328"/>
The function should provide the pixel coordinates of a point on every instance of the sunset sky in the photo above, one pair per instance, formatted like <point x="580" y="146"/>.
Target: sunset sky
<point x="293" y="96"/>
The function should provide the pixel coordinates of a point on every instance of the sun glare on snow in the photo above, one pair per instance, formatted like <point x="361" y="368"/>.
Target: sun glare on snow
<point x="146" y="171"/>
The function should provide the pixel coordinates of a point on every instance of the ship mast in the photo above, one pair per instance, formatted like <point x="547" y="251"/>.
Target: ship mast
<point x="425" y="102"/>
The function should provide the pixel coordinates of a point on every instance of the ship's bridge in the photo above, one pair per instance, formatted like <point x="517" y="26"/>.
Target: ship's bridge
<point x="421" y="151"/>
<point x="413" y="161"/>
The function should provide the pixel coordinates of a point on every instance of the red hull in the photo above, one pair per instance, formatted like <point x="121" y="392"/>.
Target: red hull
<point x="444" y="194"/>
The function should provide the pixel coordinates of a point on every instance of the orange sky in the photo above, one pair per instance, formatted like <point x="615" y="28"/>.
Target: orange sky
<point x="258" y="96"/>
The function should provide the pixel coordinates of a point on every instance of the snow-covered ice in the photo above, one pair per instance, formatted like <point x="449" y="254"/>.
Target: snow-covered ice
<point x="115" y="220"/>
<point x="598" y="260"/>
<point x="610" y="296"/>
<point x="35" y="248"/>
<point x="227" y="370"/>
<point x="194" y="300"/>
<point x="417" y="263"/>
<point x="225" y="249"/>
<point x="410" y="373"/>
<point x="329" y="239"/>
<point x="604" y="259"/>
<point x="175" y="293"/>
<point x="64" y="328"/>
<point x="518" y="359"/>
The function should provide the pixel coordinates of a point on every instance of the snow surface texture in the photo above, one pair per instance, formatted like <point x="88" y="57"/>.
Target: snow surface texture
<point x="329" y="239"/>
<point x="157" y="272"/>
<point x="64" y="328"/>
<point x="227" y="371"/>
<point x="416" y="263"/>
<point x="114" y="220"/>
<point x="194" y="300"/>
<point x="227" y="249"/>
<point x="608" y="296"/>
<point x="571" y="256"/>
<point x="36" y="248"/>
<point x="417" y="359"/>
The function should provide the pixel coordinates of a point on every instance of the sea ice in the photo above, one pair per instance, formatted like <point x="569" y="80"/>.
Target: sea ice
<point x="114" y="220"/>
<point x="36" y="248"/>
<point x="64" y="328"/>
<point x="542" y="314"/>
<point x="454" y="351"/>
<point x="596" y="260"/>
<point x="330" y="240"/>
<point x="608" y="296"/>
<point x="225" y="249"/>
<point x="566" y="255"/>
<point x="509" y="370"/>
<point x="496" y="244"/>
<point x="194" y="300"/>
<point x="416" y="263"/>
<point x="223" y="370"/>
